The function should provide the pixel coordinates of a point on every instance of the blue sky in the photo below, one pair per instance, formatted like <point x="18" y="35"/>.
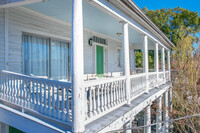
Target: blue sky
<point x="193" y="5"/>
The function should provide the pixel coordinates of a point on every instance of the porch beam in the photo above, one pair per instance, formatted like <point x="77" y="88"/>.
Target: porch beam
<point x="125" y="48"/>
<point x="78" y="106"/>
<point x="100" y="5"/>
<point x="146" y="62"/>
<point x="7" y="3"/>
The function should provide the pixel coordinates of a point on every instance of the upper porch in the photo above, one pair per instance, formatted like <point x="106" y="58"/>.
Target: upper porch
<point x="100" y="71"/>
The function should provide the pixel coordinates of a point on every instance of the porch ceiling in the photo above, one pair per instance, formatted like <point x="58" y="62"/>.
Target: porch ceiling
<point x="94" y="19"/>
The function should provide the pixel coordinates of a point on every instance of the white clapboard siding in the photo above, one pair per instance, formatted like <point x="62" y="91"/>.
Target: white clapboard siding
<point x="2" y="41"/>
<point x="24" y="20"/>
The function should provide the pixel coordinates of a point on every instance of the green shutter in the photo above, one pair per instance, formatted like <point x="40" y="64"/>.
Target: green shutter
<point x="99" y="59"/>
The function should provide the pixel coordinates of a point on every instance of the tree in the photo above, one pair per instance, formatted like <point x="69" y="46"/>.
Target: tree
<point x="181" y="26"/>
<point x="176" y="23"/>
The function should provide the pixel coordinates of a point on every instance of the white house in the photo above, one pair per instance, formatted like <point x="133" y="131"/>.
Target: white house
<point x="69" y="66"/>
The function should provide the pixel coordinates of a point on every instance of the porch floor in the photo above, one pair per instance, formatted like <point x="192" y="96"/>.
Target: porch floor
<point x="115" y="119"/>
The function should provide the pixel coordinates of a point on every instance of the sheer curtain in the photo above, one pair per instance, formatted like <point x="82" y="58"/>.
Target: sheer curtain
<point x="59" y="60"/>
<point x="46" y="57"/>
<point x="35" y="55"/>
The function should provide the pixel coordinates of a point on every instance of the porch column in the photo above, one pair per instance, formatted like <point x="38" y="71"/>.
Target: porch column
<point x="168" y="64"/>
<point x="78" y="102"/>
<point x="127" y="126"/>
<point x="146" y="62"/>
<point x="163" y="63"/>
<point x="166" y="114"/>
<point x="156" y="61"/>
<point x="147" y="119"/>
<point x="126" y="59"/>
<point x="159" y="115"/>
<point x="4" y="128"/>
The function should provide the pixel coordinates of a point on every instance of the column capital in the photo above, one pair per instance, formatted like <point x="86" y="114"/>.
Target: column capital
<point x="123" y="22"/>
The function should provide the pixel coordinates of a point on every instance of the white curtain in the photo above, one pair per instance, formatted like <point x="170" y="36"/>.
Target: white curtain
<point x="35" y="55"/>
<point x="46" y="57"/>
<point x="59" y="60"/>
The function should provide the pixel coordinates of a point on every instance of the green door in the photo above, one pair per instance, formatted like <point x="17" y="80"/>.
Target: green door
<point x="99" y="59"/>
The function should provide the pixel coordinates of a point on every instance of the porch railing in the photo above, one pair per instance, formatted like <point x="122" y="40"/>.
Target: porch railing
<point x="138" y="84"/>
<point x="53" y="98"/>
<point x="103" y="96"/>
<point x="152" y="80"/>
<point x="50" y="98"/>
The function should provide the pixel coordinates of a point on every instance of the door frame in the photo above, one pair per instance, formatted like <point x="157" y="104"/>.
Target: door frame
<point x="104" y="56"/>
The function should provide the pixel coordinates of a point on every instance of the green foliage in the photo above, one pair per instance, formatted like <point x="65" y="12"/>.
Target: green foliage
<point x="176" y="23"/>
<point x="181" y="26"/>
<point x="139" y="59"/>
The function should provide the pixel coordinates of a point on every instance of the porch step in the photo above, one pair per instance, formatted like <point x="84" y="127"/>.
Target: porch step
<point x="117" y="118"/>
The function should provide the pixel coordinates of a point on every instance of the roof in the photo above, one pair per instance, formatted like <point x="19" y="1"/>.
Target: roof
<point x="146" y="21"/>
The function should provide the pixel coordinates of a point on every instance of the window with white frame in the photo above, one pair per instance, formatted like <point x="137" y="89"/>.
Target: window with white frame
<point x="46" y="57"/>
<point x="119" y="57"/>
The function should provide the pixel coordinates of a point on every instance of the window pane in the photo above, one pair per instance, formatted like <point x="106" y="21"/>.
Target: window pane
<point x="35" y="55"/>
<point x="119" y="57"/>
<point x="59" y="60"/>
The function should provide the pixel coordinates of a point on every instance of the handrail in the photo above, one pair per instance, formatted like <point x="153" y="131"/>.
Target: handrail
<point x="55" y="82"/>
<point x="102" y="81"/>
<point x="137" y="75"/>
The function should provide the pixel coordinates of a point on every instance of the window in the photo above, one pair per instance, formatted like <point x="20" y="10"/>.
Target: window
<point x="119" y="56"/>
<point x="46" y="57"/>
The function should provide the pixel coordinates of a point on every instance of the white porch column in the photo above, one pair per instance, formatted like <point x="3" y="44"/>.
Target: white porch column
<point x="147" y="119"/>
<point x="126" y="59"/>
<point x="146" y="62"/>
<point x="78" y="103"/>
<point x="170" y="100"/>
<point x="159" y="115"/>
<point x="156" y="61"/>
<point x="127" y="126"/>
<point x="4" y="128"/>
<point x="163" y="62"/>
<point x="168" y="64"/>
<point x="166" y="110"/>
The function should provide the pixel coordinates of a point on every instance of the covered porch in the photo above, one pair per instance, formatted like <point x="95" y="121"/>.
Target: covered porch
<point x="98" y="43"/>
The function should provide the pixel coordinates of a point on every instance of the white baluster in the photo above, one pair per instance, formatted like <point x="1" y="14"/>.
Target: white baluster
<point x="44" y="100"/>
<point x="94" y="101"/>
<point x="108" y="94"/>
<point x="40" y="106"/>
<point x="98" y="99"/>
<point x="111" y="94"/>
<point x="67" y="105"/>
<point x="62" y="103"/>
<point x="105" y="97"/>
<point x="49" y="99"/>
<point x="102" y="97"/>
<point x="87" y="103"/>
<point x="117" y="92"/>
<point x="57" y="103"/>
<point x="114" y="93"/>
<point x="90" y="102"/>
<point x="53" y="101"/>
